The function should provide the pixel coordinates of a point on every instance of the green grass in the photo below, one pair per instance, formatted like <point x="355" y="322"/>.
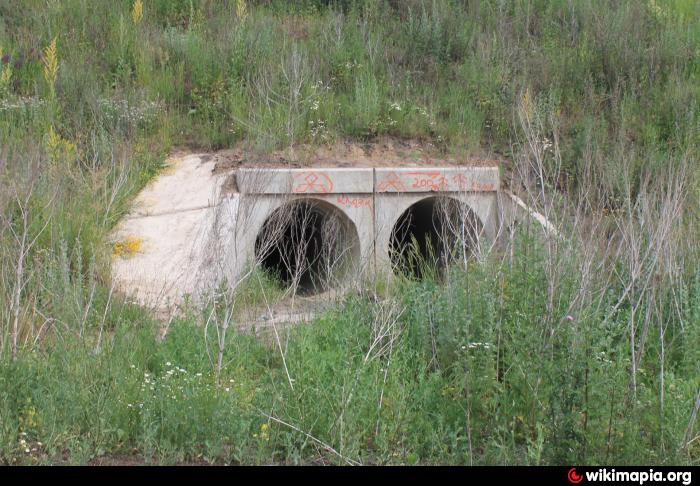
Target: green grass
<point x="486" y="369"/>
<point x="457" y="386"/>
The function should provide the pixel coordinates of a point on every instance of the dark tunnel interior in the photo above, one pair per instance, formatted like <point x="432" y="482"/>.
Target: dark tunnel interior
<point x="430" y="235"/>
<point x="302" y="243"/>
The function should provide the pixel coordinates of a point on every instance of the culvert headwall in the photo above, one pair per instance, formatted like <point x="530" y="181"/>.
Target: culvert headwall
<point x="196" y="225"/>
<point x="385" y="209"/>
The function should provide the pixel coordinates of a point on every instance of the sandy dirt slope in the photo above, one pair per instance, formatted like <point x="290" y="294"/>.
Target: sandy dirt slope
<point x="384" y="152"/>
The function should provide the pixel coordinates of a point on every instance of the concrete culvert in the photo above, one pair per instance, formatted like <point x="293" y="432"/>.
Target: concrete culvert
<point x="310" y="245"/>
<point x="432" y="234"/>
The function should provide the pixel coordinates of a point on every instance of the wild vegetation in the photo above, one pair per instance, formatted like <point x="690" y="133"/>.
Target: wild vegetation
<point x="576" y="347"/>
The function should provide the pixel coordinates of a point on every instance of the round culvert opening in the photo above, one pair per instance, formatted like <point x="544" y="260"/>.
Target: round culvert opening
<point x="432" y="234"/>
<point x="310" y="245"/>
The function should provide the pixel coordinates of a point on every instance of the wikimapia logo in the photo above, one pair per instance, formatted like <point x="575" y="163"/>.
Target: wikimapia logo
<point x="574" y="477"/>
<point x="638" y="477"/>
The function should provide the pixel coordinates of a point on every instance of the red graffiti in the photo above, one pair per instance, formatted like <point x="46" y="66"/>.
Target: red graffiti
<point x="312" y="182"/>
<point x="356" y="202"/>
<point x="461" y="181"/>
<point x="464" y="183"/>
<point x="391" y="181"/>
<point x="483" y="186"/>
<point x="432" y="181"/>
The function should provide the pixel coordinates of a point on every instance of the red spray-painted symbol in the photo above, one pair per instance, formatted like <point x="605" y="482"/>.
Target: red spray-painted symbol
<point x="312" y="182"/>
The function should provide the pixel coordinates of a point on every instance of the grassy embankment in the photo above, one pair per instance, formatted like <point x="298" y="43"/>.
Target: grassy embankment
<point x="579" y="350"/>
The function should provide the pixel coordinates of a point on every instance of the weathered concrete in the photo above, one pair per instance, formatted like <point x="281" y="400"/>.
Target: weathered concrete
<point x="436" y="179"/>
<point x="304" y="181"/>
<point x="371" y="198"/>
<point x="171" y="227"/>
<point x="197" y="228"/>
